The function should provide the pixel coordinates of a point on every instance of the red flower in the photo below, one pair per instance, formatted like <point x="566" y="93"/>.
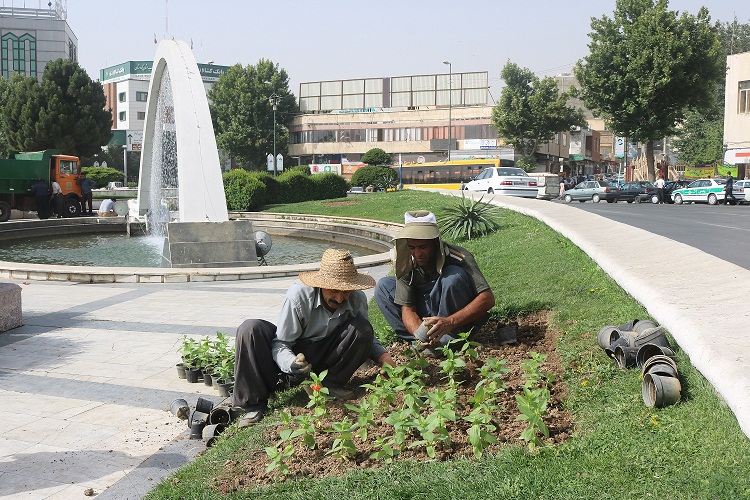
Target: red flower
<point x="315" y="387"/>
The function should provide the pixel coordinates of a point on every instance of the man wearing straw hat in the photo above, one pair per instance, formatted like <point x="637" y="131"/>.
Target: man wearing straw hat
<point x="436" y="284"/>
<point x="323" y="325"/>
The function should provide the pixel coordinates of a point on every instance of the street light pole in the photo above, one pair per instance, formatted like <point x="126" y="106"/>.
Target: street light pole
<point x="274" y="99"/>
<point x="125" y="164"/>
<point x="450" y="105"/>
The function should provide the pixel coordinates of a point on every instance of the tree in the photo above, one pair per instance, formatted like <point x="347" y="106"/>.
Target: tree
<point x="65" y="112"/>
<point x="242" y="112"/>
<point x="700" y="137"/>
<point x="378" y="177"/>
<point x="102" y="175"/>
<point x="531" y="111"/>
<point x="647" y="67"/>
<point x="376" y="156"/>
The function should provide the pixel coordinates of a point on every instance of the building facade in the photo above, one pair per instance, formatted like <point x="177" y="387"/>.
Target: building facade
<point x="126" y="91"/>
<point x="31" y="38"/>
<point x="737" y="111"/>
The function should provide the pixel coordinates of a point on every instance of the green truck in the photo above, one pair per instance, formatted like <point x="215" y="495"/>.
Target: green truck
<point x="22" y="170"/>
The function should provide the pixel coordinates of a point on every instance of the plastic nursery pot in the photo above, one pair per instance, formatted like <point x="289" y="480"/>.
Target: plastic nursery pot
<point x="648" y="350"/>
<point x="659" y="358"/>
<point x="194" y="416"/>
<point x="180" y="370"/>
<point x="625" y="356"/>
<point x="211" y="433"/>
<point x="214" y="380"/>
<point x="653" y="336"/>
<point x="642" y="325"/>
<point x="196" y="429"/>
<point x="180" y="409"/>
<point x="662" y="369"/>
<point x="607" y="335"/>
<point x="236" y="412"/>
<point x="658" y="391"/>
<point x="610" y="350"/>
<point x="192" y="375"/>
<point x="508" y="334"/>
<point x="207" y="379"/>
<point x="204" y="405"/>
<point x="628" y="327"/>
<point x="219" y="415"/>
<point x="225" y="388"/>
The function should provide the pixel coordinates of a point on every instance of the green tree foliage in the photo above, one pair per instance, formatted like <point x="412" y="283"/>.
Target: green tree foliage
<point x="647" y="66"/>
<point x="243" y="190"/>
<point x="102" y="175"/>
<point x="65" y="112"/>
<point x="330" y="185"/>
<point x="531" y="111"/>
<point x="376" y="156"/>
<point x="734" y="36"/>
<point x="294" y="187"/>
<point x="378" y="177"/>
<point x="242" y="112"/>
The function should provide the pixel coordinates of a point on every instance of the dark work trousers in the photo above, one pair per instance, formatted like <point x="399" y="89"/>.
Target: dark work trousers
<point x="256" y="374"/>
<point x="88" y="199"/>
<point x="451" y="292"/>
<point x="730" y="194"/>
<point x="660" y="194"/>
<point x="42" y="206"/>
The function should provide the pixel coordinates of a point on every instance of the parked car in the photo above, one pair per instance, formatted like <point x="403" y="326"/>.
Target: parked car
<point x="638" y="191"/>
<point x="357" y="190"/>
<point x="509" y="181"/>
<point x="739" y="189"/>
<point x="709" y="191"/>
<point x="594" y="191"/>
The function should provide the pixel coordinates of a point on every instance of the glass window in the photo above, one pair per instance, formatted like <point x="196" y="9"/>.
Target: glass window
<point x="141" y="96"/>
<point x="121" y="96"/>
<point x="744" y="97"/>
<point x="122" y="116"/>
<point x="141" y="115"/>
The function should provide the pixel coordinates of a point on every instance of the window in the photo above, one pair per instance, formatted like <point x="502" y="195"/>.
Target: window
<point x="122" y="115"/>
<point x="744" y="97"/>
<point x="141" y="115"/>
<point x="121" y="96"/>
<point x="141" y="96"/>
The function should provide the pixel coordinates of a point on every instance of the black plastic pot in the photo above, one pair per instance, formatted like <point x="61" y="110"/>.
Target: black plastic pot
<point x="192" y="375"/>
<point x="207" y="379"/>
<point x="660" y="391"/>
<point x="180" y="409"/>
<point x="180" y="370"/>
<point x="196" y="429"/>
<point x="610" y="350"/>
<point x="648" y="350"/>
<point x="607" y="335"/>
<point x="211" y="433"/>
<point x="625" y="356"/>
<point x="225" y="388"/>
<point x="219" y="415"/>
<point x="204" y="405"/>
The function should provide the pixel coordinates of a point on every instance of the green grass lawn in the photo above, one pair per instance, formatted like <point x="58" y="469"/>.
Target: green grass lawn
<point x="621" y="448"/>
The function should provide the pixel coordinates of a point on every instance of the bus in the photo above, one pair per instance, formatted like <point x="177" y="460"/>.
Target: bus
<point x="446" y="174"/>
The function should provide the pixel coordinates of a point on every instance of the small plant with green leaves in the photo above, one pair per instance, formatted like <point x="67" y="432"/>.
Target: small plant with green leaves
<point x="365" y="412"/>
<point x="189" y="350"/>
<point x="451" y="365"/>
<point x="469" y="219"/>
<point x="480" y="432"/>
<point x="343" y="444"/>
<point x="533" y="402"/>
<point x="384" y="450"/>
<point x="279" y="454"/>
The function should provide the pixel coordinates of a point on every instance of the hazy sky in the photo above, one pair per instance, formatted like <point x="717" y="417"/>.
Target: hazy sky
<point x="329" y="39"/>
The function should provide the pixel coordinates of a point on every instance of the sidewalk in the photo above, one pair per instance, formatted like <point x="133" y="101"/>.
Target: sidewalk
<point x="87" y="381"/>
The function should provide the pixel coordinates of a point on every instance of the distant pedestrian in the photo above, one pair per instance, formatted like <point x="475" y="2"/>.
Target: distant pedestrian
<point x="659" y="183"/>
<point x="88" y="197"/>
<point x="562" y="187"/>
<point x="107" y="208"/>
<point x="57" y="199"/>
<point x="40" y="191"/>
<point x="728" y="190"/>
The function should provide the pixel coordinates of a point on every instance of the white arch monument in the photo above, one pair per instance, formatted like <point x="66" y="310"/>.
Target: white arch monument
<point x="180" y="170"/>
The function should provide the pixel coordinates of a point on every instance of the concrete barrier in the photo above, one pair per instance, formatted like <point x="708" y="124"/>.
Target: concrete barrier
<point x="10" y="306"/>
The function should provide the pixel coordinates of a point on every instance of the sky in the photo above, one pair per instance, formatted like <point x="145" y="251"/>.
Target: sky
<point x="333" y="39"/>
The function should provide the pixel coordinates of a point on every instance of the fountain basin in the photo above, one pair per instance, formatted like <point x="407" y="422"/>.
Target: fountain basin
<point x="374" y="235"/>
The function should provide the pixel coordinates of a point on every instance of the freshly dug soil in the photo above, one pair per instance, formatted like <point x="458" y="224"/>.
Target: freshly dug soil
<point x="534" y="335"/>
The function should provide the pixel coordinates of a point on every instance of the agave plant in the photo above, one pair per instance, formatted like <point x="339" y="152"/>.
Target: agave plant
<point x="469" y="219"/>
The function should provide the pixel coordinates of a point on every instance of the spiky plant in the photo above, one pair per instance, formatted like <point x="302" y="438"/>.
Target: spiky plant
<point x="469" y="219"/>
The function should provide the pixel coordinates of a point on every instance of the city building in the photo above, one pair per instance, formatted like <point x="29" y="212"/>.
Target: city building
<point x="30" y="38"/>
<point x="126" y="91"/>
<point x="737" y="112"/>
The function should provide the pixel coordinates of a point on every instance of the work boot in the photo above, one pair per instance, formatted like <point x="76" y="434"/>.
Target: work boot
<point x="251" y="417"/>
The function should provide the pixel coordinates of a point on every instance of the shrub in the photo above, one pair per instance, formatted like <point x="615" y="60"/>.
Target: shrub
<point x="294" y="187"/>
<point x="469" y="219"/>
<point x="102" y="175"/>
<point x="243" y="191"/>
<point x="327" y="186"/>
<point x="379" y="177"/>
<point x="273" y="188"/>
<point x="376" y="156"/>
<point x="302" y="169"/>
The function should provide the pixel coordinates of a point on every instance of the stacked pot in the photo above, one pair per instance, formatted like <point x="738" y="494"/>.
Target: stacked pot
<point x="644" y="344"/>
<point x="205" y="421"/>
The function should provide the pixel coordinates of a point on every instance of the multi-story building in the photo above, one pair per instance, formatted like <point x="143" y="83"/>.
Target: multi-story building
<point x="30" y="38"/>
<point x="737" y="112"/>
<point x="126" y="90"/>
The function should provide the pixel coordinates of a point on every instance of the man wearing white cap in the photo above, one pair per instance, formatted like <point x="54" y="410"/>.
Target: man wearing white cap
<point x="323" y="325"/>
<point x="435" y="283"/>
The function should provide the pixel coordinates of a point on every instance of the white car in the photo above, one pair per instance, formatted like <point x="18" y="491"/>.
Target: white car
<point x="709" y="191"/>
<point x="739" y="189"/>
<point x="509" y="181"/>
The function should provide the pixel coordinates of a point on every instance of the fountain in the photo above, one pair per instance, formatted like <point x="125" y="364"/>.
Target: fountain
<point x="181" y="194"/>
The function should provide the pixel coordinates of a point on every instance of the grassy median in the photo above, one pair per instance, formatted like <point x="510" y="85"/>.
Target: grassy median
<point x="621" y="448"/>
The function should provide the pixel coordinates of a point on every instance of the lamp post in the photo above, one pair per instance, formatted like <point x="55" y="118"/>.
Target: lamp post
<point x="450" y="105"/>
<point x="274" y="100"/>
<point x="125" y="164"/>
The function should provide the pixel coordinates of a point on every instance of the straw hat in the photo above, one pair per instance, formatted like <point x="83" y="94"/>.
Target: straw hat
<point x="337" y="272"/>
<point x="418" y="225"/>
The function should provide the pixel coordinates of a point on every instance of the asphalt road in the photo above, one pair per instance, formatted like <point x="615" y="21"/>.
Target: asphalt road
<point x="722" y="231"/>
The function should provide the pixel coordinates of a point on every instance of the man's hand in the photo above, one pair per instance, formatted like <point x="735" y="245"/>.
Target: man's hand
<point x="300" y="367"/>
<point x="438" y="327"/>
